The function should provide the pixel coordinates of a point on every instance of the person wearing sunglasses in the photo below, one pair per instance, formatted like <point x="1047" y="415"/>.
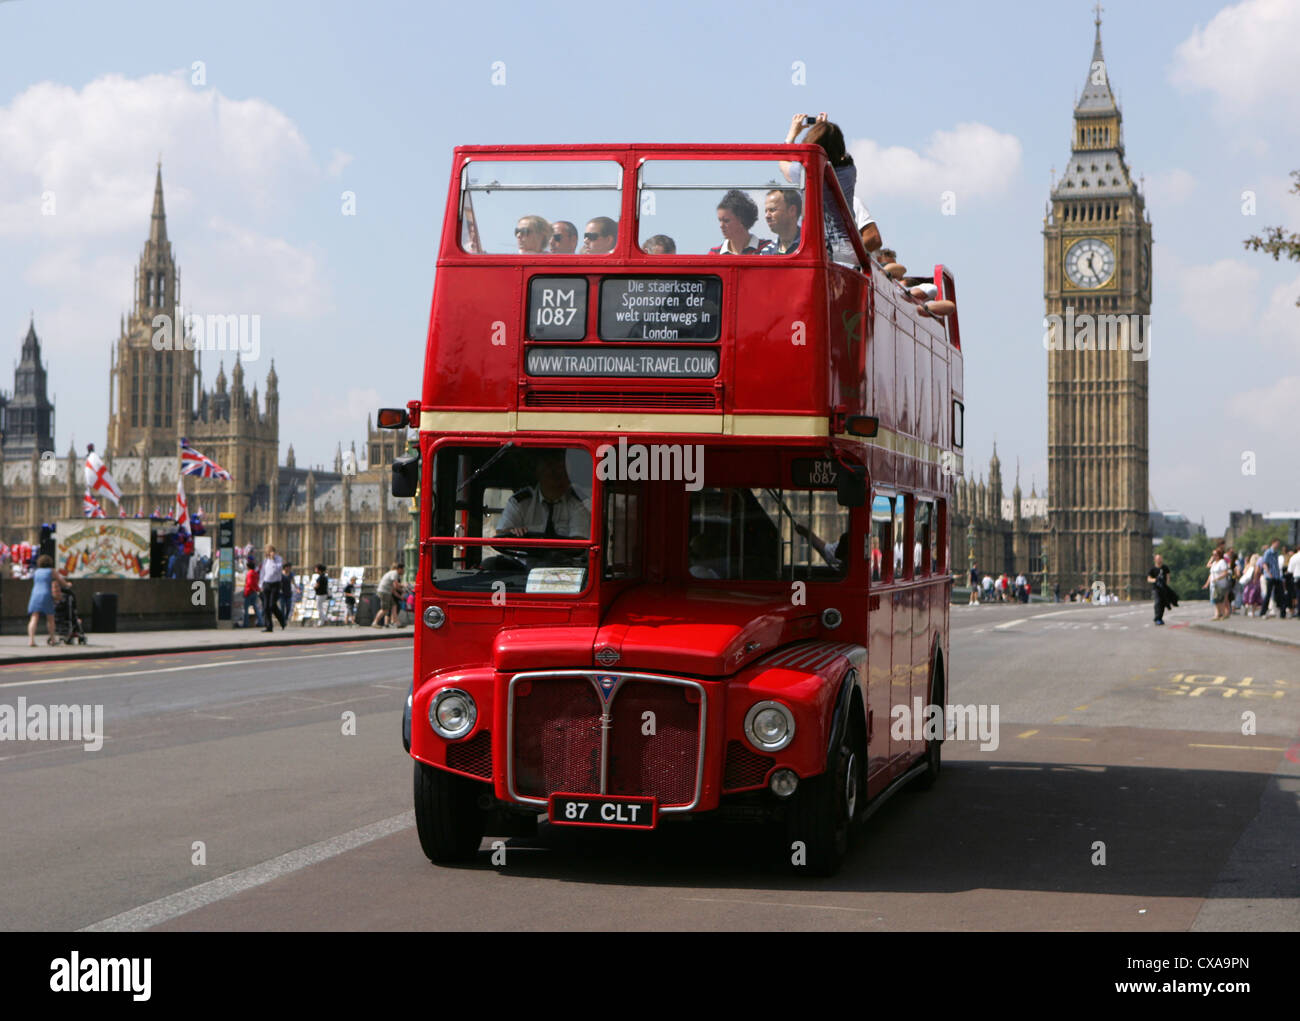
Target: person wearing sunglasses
<point x="532" y="233"/>
<point x="564" y="238"/>
<point x="600" y="236"/>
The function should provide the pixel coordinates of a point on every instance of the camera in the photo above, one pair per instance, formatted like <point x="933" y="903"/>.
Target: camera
<point x="809" y="121"/>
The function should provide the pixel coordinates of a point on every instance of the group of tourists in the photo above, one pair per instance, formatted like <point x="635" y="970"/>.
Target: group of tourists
<point x="1263" y="584"/>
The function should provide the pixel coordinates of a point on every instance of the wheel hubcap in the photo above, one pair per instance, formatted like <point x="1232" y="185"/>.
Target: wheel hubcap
<point x="851" y="787"/>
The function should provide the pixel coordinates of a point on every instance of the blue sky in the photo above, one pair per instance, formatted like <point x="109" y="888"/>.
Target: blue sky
<point x="301" y="102"/>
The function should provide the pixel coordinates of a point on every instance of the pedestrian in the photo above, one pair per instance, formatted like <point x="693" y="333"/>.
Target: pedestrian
<point x="290" y="590"/>
<point x="1250" y="585"/>
<point x="272" y="575"/>
<point x="252" y="590"/>
<point x="1217" y="583"/>
<point x="1293" y="568"/>
<point x="1161" y="594"/>
<point x="1275" y="592"/>
<point x="350" y="602"/>
<point x="974" y="586"/>
<point x="321" y="586"/>
<point x="389" y="591"/>
<point x="45" y="583"/>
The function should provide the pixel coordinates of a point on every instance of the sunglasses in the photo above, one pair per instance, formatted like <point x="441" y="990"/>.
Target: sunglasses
<point x="593" y="237"/>
<point x="523" y="230"/>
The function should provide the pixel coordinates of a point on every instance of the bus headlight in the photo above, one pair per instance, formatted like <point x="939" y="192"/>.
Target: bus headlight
<point x="434" y="617"/>
<point x="769" y="726"/>
<point x="452" y="713"/>
<point x="832" y="618"/>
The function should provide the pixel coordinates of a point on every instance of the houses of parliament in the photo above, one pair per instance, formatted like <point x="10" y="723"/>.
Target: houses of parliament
<point x="1092" y="524"/>
<point x="343" y="517"/>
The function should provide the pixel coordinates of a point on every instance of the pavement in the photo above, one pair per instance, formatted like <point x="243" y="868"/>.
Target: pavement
<point x="14" y="648"/>
<point x="1268" y="629"/>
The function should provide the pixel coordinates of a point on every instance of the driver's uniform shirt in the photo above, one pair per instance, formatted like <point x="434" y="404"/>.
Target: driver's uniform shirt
<point x="528" y="509"/>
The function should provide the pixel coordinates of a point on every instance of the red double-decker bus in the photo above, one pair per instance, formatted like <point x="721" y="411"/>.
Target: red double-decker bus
<point x="683" y="500"/>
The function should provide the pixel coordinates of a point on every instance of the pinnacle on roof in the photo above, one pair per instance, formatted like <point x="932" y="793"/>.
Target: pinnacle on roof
<point x="158" y="221"/>
<point x="1097" y="97"/>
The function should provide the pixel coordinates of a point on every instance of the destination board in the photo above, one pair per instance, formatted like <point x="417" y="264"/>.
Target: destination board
<point x="661" y="308"/>
<point x="557" y="308"/>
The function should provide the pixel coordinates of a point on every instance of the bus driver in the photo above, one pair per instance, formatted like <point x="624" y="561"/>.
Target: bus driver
<point x="550" y="509"/>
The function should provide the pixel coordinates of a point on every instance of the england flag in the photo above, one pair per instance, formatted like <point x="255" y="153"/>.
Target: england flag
<point x="98" y="477"/>
<point x="182" y="510"/>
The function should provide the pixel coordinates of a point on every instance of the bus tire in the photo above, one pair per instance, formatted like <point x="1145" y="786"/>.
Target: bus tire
<point x="823" y="811"/>
<point x="447" y="817"/>
<point x="934" y="749"/>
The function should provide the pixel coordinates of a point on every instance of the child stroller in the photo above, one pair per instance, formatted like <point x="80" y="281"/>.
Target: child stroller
<point x="67" y="625"/>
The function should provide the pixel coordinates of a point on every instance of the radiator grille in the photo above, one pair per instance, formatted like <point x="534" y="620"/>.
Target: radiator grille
<point x="663" y="764"/>
<point x="473" y="756"/>
<point x="745" y="767"/>
<point x="557" y="737"/>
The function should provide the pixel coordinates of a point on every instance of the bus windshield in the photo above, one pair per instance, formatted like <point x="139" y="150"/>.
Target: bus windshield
<point x="512" y="494"/>
<point x="719" y="207"/>
<point x="540" y="207"/>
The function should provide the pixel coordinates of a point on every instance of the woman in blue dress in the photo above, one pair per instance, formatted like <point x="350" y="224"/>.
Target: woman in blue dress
<point x="42" y="598"/>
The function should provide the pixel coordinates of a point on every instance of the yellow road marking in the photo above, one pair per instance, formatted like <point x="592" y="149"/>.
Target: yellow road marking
<point x="1027" y="733"/>
<point x="1080" y="708"/>
<point x="1060" y="718"/>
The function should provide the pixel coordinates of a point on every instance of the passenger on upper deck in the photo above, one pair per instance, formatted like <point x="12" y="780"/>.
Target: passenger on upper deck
<point x="782" y="210"/>
<point x="736" y="214"/>
<point x="828" y="135"/>
<point x="532" y="233"/>
<point x="600" y="236"/>
<point x="660" y="244"/>
<point x="551" y="508"/>
<point x="564" y="238"/>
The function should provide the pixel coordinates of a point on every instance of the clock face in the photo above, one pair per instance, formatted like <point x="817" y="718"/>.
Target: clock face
<point x="1089" y="262"/>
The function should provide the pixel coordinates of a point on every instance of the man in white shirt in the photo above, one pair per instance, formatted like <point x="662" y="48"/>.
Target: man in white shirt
<point x="551" y="508"/>
<point x="271" y="576"/>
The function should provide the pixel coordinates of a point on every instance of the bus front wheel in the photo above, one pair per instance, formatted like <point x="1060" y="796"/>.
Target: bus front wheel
<point x="447" y="817"/>
<point x="823" y="811"/>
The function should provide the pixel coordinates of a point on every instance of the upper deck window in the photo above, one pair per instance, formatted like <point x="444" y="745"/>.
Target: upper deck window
<point x="719" y="207"/>
<point x="540" y="207"/>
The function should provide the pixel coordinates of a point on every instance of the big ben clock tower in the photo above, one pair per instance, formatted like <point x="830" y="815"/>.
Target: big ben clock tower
<point x="1097" y="292"/>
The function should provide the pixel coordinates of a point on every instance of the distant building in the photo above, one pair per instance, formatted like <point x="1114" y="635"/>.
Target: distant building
<point x="341" y="517"/>
<point x="1173" y="525"/>
<point x="1240" y="522"/>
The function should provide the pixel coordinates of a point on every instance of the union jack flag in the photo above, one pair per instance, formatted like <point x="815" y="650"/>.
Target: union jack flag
<point x="90" y="506"/>
<point x="194" y="463"/>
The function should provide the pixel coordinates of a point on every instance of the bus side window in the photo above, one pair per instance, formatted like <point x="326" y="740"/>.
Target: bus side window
<point x="900" y="537"/>
<point x="622" y="533"/>
<point x="882" y="527"/>
<point x="923" y="555"/>
<point x="938" y="551"/>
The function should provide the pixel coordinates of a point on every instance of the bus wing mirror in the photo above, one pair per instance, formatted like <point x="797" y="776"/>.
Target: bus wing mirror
<point x="851" y="485"/>
<point x="393" y="418"/>
<point x="406" y="475"/>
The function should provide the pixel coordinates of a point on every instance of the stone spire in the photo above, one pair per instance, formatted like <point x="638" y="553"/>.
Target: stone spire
<point x="158" y="221"/>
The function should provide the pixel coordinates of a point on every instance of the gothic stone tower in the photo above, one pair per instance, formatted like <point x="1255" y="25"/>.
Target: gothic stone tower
<point x="27" y="419"/>
<point x="1097" y="273"/>
<point x="150" y="391"/>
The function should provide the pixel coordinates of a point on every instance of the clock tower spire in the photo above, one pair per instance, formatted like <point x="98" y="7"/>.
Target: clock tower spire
<point x="1097" y="298"/>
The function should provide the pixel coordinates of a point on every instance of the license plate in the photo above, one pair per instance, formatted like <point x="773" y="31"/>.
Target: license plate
<point x="597" y="810"/>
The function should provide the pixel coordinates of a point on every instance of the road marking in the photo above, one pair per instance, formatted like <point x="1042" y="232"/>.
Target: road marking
<point x="166" y="908"/>
<point x="189" y="666"/>
<point x="1058" y="719"/>
<point x="1243" y="747"/>
<point x="774" y="904"/>
<point x="1027" y="733"/>
<point x="1080" y="708"/>
<point x="1010" y="623"/>
<point x="1052" y="737"/>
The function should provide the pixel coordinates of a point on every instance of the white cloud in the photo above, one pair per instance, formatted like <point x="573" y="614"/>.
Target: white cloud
<point x="244" y="271"/>
<point x="1170" y="187"/>
<point x="1246" y="56"/>
<point x="90" y="149"/>
<point x="1219" y="297"/>
<point x="971" y="160"/>
<point x="1265" y="406"/>
<point x="339" y="161"/>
